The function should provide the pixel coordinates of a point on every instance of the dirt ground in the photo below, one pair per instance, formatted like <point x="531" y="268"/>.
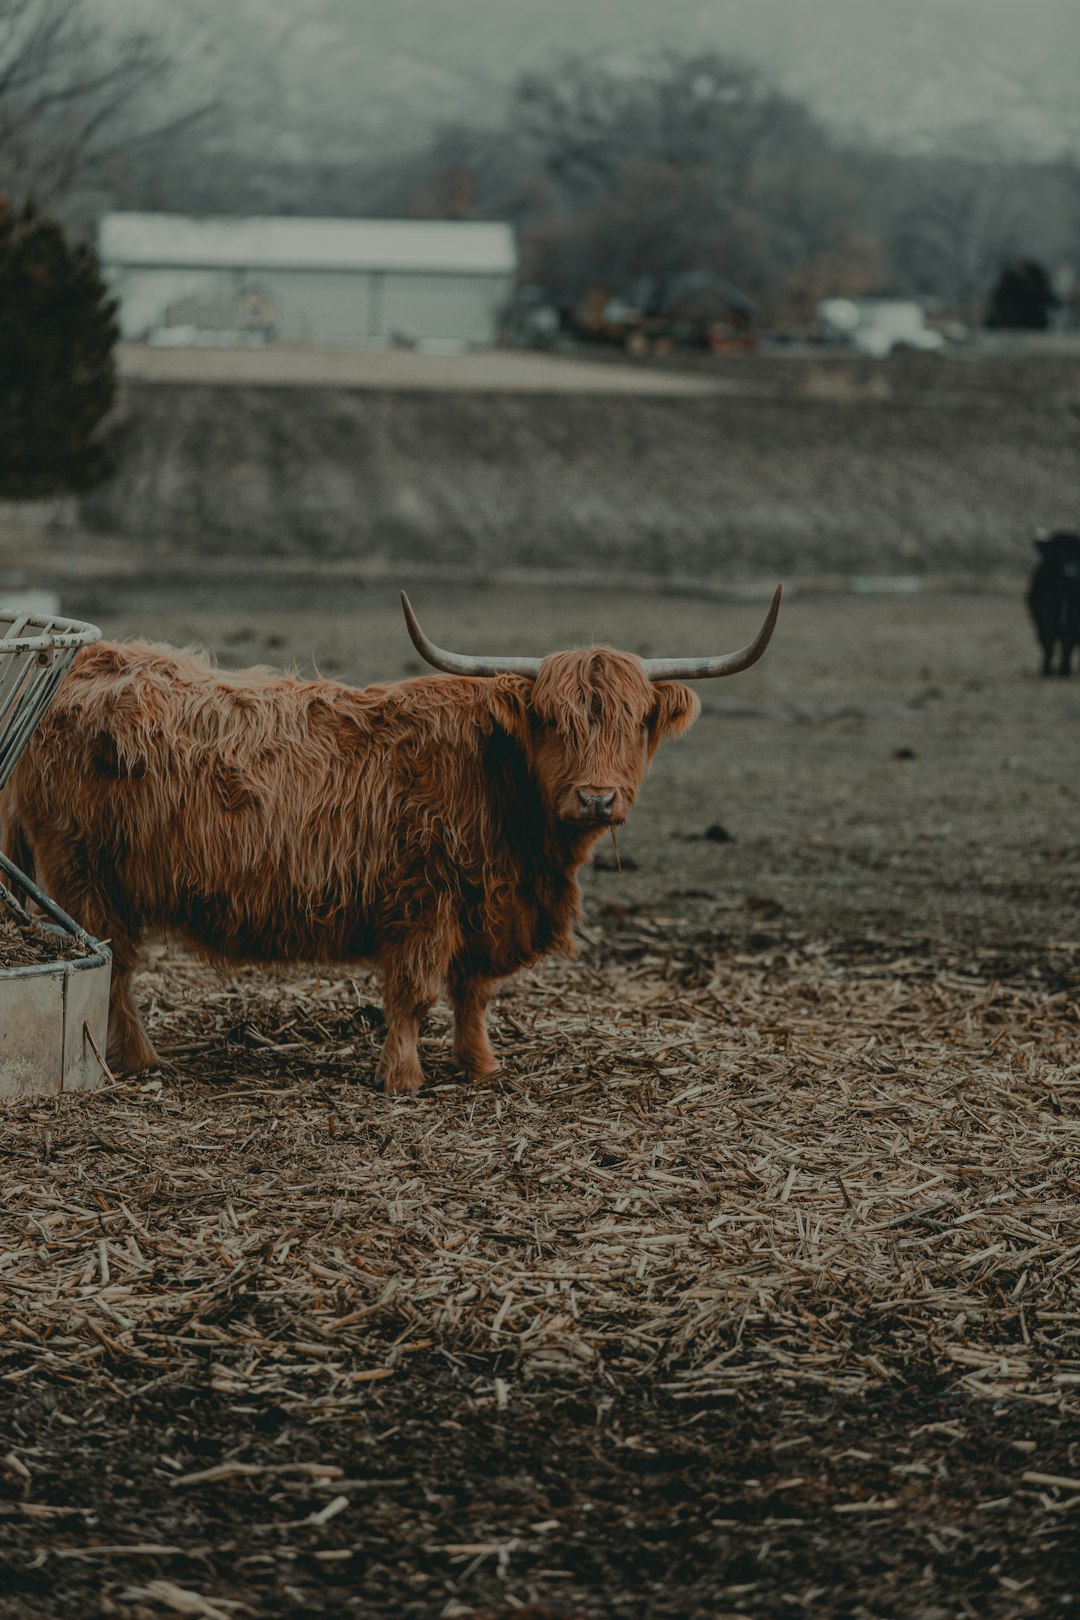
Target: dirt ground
<point x="749" y="1289"/>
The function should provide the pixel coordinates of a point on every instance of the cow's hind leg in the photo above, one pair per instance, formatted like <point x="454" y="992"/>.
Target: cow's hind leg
<point x="472" y="1049"/>
<point x="412" y="979"/>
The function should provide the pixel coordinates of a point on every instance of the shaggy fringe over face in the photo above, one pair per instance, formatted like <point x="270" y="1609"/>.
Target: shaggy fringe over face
<point x="602" y="719"/>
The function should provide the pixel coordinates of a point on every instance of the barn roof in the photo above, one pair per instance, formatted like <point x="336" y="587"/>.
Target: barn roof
<point x="307" y="244"/>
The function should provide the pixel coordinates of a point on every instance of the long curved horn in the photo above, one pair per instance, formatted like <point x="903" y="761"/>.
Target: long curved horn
<point x="462" y="663"/>
<point x="699" y="669"/>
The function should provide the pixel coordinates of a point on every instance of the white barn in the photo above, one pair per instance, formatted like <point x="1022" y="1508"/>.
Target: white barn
<point x="347" y="282"/>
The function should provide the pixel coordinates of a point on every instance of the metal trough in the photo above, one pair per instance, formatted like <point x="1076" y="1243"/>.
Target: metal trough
<point x="53" y="1015"/>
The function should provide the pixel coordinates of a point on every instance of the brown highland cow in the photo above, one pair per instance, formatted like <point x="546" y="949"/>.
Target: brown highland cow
<point x="434" y="826"/>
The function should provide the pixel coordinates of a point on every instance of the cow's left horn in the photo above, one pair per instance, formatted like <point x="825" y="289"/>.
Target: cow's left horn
<point x="699" y="669"/>
<point x="462" y="663"/>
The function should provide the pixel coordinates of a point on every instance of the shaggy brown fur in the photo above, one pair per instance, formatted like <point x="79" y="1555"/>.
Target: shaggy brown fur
<point x="434" y="826"/>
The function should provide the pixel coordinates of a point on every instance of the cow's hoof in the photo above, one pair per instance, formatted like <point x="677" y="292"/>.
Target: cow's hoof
<point x="476" y="1065"/>
<point x="481" y="1071"/>
<point x="402" y="1081"/>
<point x="131" y="1057"/>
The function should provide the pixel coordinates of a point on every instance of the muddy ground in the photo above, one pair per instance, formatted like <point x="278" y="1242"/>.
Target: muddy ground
<point x="624" y="1504"/>
<point x="883" y="815"/>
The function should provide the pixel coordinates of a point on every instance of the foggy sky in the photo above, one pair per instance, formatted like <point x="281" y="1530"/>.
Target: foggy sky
<point x="306" y="75"/>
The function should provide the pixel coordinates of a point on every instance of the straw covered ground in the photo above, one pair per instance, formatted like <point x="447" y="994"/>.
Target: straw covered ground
<point x="768" y="1187"/>
<point x="748" y="1288"/>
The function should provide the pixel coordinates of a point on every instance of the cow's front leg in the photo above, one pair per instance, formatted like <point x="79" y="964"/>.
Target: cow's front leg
<point x="472" y="1049"/>
<point x="130" y="1050"/>
<point x="410" y="986"/>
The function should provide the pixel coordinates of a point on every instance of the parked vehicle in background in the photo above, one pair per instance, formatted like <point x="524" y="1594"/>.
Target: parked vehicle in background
<point x="531" y="319"/>
<point x="659" y="314"/>
<point x="877" y="327"/>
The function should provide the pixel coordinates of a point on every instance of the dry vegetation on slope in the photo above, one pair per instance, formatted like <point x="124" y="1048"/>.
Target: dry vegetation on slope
<point x="795" y="468"/>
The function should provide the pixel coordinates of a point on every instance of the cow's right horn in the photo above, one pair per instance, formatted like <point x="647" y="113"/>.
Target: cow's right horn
<point x="463" y="663"/>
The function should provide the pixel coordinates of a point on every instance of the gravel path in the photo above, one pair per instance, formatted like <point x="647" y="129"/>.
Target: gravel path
<point x="484" y="370"/>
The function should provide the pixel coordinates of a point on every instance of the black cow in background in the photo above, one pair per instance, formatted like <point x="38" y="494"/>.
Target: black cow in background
<point x="1054" y="598"/>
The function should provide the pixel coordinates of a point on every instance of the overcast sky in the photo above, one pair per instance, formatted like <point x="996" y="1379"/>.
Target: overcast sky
<point x="907" y="71"/>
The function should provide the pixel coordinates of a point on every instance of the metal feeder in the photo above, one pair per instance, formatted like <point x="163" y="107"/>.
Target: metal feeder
<point x="53" y="1015"/>
<point x="35" y="651"/>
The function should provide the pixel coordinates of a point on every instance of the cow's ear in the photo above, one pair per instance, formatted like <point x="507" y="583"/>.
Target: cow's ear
<point x="1043" y="546"/>
<point x="508" y="704"/>
<point x="675" y="708"/>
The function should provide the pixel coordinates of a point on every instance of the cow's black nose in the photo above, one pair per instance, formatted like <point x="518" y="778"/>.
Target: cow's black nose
<point x="596" y="804"/>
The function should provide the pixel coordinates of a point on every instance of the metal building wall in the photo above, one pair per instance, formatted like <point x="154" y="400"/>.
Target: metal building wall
<point x="446" y="307"/>
<point x="327" y="307"/>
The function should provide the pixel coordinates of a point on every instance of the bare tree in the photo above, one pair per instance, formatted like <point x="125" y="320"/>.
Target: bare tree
<point x="688" y="163"/>
<point x="702" y="111"/>
<point x="462" y="171"/>
<point x="657" y="220"/>
<point x="963" y="218"/>
<point x="811" y="204"/>
<point x="74" y="98"/>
